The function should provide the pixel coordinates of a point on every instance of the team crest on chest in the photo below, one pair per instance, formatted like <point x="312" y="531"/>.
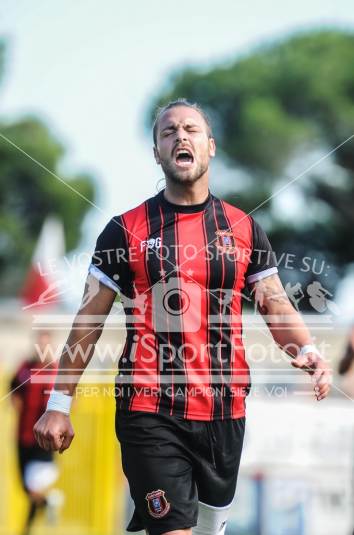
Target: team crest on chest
<point x="226" y="242"/>
<point x="157" y="504"/>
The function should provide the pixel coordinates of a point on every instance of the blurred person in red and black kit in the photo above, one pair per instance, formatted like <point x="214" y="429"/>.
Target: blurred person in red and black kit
<point x="30" y="389"/>
<point x="346" y="367"/>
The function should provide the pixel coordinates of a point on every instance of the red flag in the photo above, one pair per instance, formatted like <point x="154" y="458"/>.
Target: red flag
<point x="41" y="286"/>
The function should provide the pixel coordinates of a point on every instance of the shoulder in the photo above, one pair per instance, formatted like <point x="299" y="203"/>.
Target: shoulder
<point x="23" y="372"/>
<point x="240" y="222"/>
<point x="233" y="210"/>
<point x="134" y="220"/>
<point x="135" y="214"/>
<point x="120" y="225"/>
<point x="135" y="211"/>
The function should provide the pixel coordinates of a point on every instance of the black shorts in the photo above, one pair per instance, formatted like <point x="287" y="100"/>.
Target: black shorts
<point x="172" y="463"/>
<point x="28" y="454"/>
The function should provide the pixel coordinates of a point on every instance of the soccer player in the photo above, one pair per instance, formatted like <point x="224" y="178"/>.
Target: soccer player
<point x="346" y="367"/>
<point x="180" y="261"/>
<point x="37" y="468"/>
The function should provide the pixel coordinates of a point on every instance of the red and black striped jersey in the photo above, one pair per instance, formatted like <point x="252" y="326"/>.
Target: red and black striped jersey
<point x="181" y="271"/>
<point x="34" y="396"/>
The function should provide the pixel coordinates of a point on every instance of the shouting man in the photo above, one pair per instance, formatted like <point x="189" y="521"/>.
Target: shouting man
<point x="180" y="261"/>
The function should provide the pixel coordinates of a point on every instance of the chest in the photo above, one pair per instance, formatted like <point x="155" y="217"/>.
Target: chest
<point x="194" y="247"/>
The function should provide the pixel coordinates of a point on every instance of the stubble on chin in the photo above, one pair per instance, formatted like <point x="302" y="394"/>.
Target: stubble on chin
<point x="180" y="177"/>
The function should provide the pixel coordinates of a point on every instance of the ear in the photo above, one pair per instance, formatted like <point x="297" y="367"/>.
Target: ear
<point x="157" y="156"/>
<point x="212" y="147"/>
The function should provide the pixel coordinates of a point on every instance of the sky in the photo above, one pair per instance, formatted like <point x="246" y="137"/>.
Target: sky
<point x="90" y="69"/>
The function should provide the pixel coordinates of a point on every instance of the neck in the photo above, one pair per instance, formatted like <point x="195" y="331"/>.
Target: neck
<point x="187" y="193"/>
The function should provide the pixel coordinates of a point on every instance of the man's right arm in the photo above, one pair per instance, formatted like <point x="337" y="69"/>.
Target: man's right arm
<point x="54" y="431"/>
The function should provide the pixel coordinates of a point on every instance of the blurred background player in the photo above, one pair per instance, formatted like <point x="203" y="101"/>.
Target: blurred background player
<point x="29" y="398"/>
<point x="346" y="367"/>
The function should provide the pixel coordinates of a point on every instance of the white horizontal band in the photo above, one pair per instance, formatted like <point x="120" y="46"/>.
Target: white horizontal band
<point x="59" y="402"/>
<point x="261" y="275"/>
<point x="102" y="277"/>
<point x="214" y="508"/>
<point x="308" y="348"/>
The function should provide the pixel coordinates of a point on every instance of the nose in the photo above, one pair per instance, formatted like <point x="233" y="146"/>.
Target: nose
<point x="181" y="134"/>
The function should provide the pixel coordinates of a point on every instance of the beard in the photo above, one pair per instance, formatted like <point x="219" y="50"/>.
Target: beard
<point x="183" y="176"/>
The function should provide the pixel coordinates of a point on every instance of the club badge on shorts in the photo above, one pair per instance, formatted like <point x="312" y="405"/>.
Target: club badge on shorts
<point x="157" y="504"/>
<point x="226" y="241"/>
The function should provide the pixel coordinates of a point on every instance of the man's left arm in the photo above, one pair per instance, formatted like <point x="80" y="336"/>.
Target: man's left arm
<point x="290" y="332"/>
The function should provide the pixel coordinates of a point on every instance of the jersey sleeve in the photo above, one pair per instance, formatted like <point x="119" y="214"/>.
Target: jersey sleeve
<point x="19" y="381"/>
<point x="262" y="259"/>
<point x="14" y="383"/>
<point x="110" y="261"/>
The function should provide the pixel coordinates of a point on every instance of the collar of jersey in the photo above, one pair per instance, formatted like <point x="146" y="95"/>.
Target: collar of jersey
<point x="185" y="208"/>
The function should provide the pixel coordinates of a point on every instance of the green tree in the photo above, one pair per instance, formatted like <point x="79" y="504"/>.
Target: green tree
<point x="285" y="102"/>
<point x="29" y="193"/>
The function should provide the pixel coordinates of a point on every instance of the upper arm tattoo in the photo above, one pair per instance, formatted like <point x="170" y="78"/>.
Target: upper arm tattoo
<point x="269" y="291"/>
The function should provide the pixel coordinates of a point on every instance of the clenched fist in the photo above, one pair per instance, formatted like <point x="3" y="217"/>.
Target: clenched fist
<point x="54" y="431"/>
<point x="320" y="371"/>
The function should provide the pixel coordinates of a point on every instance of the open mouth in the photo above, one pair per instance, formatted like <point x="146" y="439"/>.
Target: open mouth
<point x="184" y="157"/>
